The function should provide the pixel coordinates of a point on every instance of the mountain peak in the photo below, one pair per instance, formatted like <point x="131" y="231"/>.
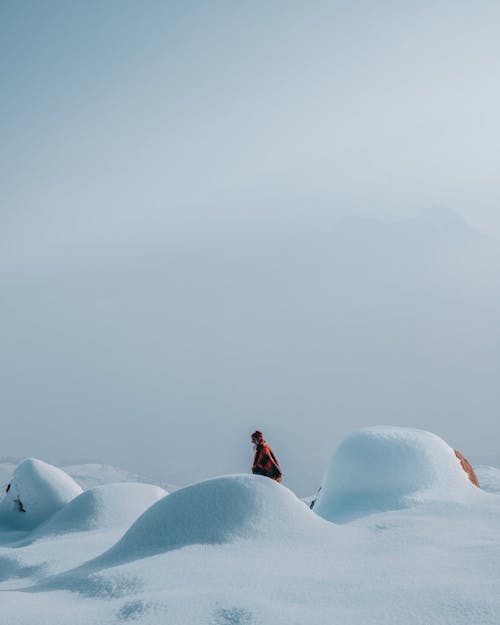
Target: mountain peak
<point x="442" y="217"/>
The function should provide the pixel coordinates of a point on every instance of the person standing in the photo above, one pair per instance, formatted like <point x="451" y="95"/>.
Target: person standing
<point x="265" y="462"/>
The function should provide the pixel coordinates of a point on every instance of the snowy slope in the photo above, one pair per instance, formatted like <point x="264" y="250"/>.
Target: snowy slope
<point x="242" y="550"/>
<point x="489" y="478"/>
<point x="214" y="512"/>
<point x="102" y="507"/>
<point x="388" y="468"/>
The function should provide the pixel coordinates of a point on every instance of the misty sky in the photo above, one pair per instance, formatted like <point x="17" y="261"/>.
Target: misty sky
<point x="218" y="216"/>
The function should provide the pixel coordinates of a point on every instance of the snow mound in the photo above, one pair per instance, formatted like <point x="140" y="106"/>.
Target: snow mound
<point x="37" y="491"/>
<point x="388" y="468"/>
<point x="102" y="507"/>
<point x="213" y="512"/>
<point x="489" y="478"/>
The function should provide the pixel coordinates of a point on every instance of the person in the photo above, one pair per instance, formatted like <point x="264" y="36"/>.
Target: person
<point x="265" y="462"/>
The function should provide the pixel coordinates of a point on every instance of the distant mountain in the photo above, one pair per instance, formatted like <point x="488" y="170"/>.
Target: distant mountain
<point x="442" y="218"/>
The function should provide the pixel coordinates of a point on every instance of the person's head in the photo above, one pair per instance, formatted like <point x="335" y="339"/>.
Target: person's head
<point x="257" y="437"/>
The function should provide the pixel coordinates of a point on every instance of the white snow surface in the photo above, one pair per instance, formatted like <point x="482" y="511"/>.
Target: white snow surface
<point x="243" y="550"/>
<point x="41" y="488"/>
<point x="388" y="468"/>
<point x="102" y="507"/>
<point x="489" y="478"/>
<point x="213" y="512"/>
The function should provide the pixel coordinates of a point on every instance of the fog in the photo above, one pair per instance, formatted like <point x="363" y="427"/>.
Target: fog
<point x="217" y="219"/>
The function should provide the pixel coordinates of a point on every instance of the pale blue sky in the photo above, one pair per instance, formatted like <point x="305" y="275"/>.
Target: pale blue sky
<point x="329" y="107"/>
<point x="159" y="163"/>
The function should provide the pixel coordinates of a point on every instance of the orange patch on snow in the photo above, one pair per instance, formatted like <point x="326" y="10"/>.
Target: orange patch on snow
<point x="467" y="467"/>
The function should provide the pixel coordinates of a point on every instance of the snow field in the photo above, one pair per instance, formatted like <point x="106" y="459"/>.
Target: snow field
<point x="417" y="544"/>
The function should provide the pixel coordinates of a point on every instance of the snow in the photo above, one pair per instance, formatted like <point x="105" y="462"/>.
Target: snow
<point x="417" y="543"/>
<point x="41" y="488"/>
<point x="489" y="478"/>
<point x="102" y="507"/>
<point x="388" y="468"/>
<point x="213" y="512"/>
<point x="95" y="474"/>
<point x="88" y="475"/>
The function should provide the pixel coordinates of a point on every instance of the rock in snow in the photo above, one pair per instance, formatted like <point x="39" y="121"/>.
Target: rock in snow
<point x="37" y="490"/>
<point x="388" y="468"/>
<point x="467" y="467"/>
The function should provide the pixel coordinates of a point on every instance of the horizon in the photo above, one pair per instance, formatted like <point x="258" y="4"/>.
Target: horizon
<point x="394" y="239"/>
<point x="216" y="219"/>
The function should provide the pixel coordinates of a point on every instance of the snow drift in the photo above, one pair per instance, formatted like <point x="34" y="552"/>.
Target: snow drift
<point x="102" y="507"/>
<point x="37" y="491"/>
<point x="489" y="477"/>
<point x="388" y="468"/>
<point x="213" y="512"/>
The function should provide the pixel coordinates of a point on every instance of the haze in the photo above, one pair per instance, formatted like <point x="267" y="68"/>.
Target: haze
<point x="217" y="217"/>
